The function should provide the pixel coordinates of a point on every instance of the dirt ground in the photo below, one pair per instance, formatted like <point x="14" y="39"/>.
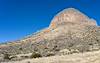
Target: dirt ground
<point x="88" y="57"/>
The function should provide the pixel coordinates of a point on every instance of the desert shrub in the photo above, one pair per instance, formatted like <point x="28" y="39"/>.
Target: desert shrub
<point x="35" y="55"/>
<point x="64" y="51"/>
<point x="24" y="56"/>
<point x="7" y="56"/>
<point x="50" y="54"/>
<point x="57" y="49"/>
<point x="20" y="48"/>
<point x="71" y="44"/>
<point x="97" y="40"/>
<point x="91" y="44"/>
<point x="28" y="62"/>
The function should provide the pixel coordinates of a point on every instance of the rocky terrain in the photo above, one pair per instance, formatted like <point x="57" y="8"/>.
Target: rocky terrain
<point x="70" y="32"/>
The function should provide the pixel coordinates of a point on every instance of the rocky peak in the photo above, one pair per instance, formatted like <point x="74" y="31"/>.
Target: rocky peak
<point x="70" y="15"/>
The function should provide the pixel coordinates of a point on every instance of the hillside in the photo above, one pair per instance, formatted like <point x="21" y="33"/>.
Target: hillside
<point x="70" y="32"/>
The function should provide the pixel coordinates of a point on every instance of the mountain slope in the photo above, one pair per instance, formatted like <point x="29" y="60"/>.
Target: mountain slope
<point x="70" y="31"/>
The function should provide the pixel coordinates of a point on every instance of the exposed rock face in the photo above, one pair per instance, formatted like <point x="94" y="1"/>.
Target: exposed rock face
<point x="69" y="30"/>
<point x="70" y="15"/>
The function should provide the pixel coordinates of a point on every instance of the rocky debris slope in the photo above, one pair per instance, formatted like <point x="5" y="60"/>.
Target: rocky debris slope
<point x="69" y="32"/>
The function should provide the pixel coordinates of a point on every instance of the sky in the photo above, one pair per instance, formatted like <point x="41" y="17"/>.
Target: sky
<point x="19" y="18"/>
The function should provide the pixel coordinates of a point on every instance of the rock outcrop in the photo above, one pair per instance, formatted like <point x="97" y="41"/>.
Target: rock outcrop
<point x="71" y="15"/>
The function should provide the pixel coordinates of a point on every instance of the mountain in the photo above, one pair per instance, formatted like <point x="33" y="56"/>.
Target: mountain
<point x="70" y="32"/>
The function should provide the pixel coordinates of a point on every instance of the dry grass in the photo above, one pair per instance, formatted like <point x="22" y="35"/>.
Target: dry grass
<point x="88" y="57"/>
